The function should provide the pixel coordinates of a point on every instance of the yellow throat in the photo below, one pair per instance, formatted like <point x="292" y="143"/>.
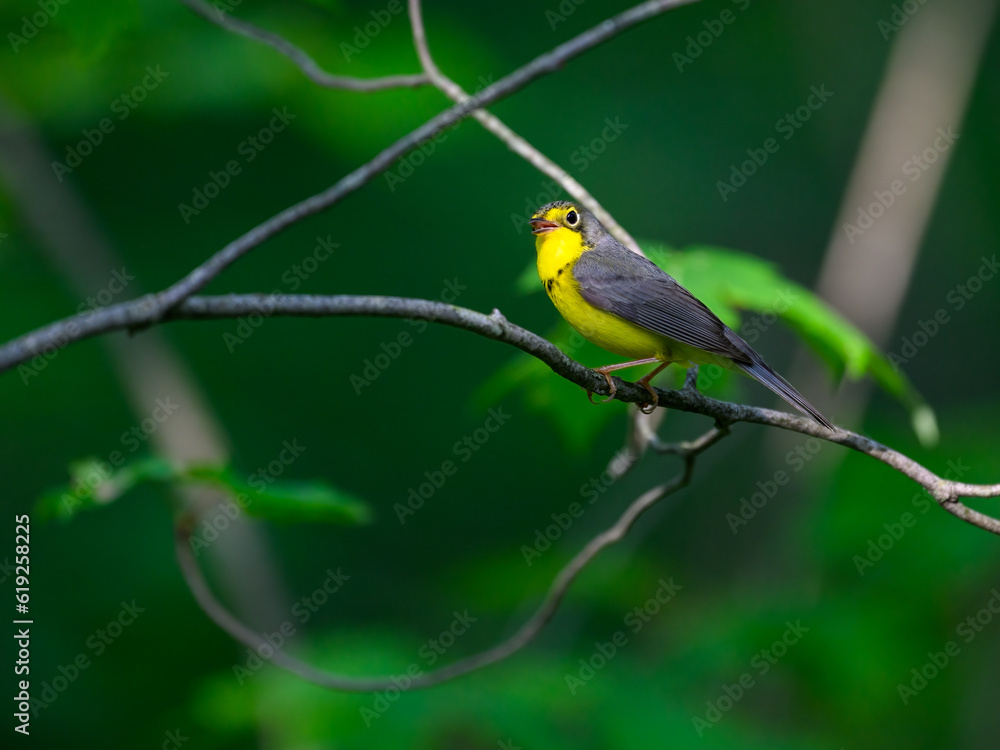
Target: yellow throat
<point x="557" y="251"/>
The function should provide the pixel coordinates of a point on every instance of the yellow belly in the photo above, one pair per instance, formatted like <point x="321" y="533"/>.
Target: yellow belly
<point x="604" y="329"/>
<point x="557" y="252"/>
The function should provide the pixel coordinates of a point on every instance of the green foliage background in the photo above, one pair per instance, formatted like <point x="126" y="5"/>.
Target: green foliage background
<point x="450" y="221"/>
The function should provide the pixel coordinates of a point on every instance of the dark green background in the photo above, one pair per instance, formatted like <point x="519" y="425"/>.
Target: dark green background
<point x="450" y="220"/>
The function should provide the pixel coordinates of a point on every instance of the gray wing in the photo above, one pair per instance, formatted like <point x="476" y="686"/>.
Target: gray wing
<point x="632" y="287"/>
<point x="613" y="278"/>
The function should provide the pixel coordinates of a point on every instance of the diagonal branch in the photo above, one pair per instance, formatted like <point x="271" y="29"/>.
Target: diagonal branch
<point x="158" y="304"/>
<point x="524" y="635"/>
<point x="512" y="140"/>
<point x="432" y="74"/>
<point x="151" y="308"/>
<point x="298" y="56"/>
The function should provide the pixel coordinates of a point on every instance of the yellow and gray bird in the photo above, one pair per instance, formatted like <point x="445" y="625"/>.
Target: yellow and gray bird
<point x="626" y="304"/>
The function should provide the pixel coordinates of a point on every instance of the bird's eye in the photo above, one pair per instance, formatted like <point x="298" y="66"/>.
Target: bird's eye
<point x="572" y="218"/>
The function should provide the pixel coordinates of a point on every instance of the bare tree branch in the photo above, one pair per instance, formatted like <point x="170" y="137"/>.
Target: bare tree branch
<point x="546" y="63"/>
<point x="308" y="66"/>
<point x="512" y="140"/>
<point x="152" y="307"/>
<point x="524" y="635"/>
<point x="176" y="303"/>
<point x="129" y="315"/>
<point x="496" y="327"/>
<point x="432" y="74"/>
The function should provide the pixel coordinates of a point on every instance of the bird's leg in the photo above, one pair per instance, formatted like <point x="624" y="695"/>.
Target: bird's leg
<point x="611" y="368"/>
<point x="645" y="384"/>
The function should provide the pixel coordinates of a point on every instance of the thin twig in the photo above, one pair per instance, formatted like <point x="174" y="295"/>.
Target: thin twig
<point x="642" y="434"/>
<point x="524" y="635"/>
<point x="512" y="140"/>
<point x="308" y="66"/>
<point x="699" y="444"/>
<point x="432" y="74"/>
<point x="158" y="304"/>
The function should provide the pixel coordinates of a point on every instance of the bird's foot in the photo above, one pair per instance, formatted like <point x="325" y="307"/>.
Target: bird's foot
<point x="612" y="389"/>
<point x="649" y="407"/>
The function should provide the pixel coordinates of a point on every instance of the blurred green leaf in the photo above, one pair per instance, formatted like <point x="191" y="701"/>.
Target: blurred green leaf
<point x="288" y="501"/>
<point x="94" y="482"/>
<point x="94" y="29"/>
<point x="730" y="282"/>
<point x="528" y="282"/>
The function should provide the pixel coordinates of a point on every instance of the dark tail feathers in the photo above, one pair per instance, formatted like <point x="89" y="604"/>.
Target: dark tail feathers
<point x="760" y="371"/>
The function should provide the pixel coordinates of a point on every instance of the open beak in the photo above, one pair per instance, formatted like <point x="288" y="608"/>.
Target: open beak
<point x="542" y="226"/>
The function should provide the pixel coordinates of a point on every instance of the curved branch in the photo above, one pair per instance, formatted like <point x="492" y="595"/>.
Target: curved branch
<point x="524" y="635"/>
<point x="129" y="315"/>
<point x="298" y="56"/>
<point x="496" y="327"/>
<point x="512" y="140"/>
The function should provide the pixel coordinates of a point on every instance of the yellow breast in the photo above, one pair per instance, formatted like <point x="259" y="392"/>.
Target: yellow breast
<point x="557" y="252"/>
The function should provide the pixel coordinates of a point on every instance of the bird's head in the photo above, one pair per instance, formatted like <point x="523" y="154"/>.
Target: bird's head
<point x="564" y="216"/>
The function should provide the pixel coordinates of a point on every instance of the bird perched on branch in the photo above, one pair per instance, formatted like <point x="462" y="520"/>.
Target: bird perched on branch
<point x="626" y="304"/>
